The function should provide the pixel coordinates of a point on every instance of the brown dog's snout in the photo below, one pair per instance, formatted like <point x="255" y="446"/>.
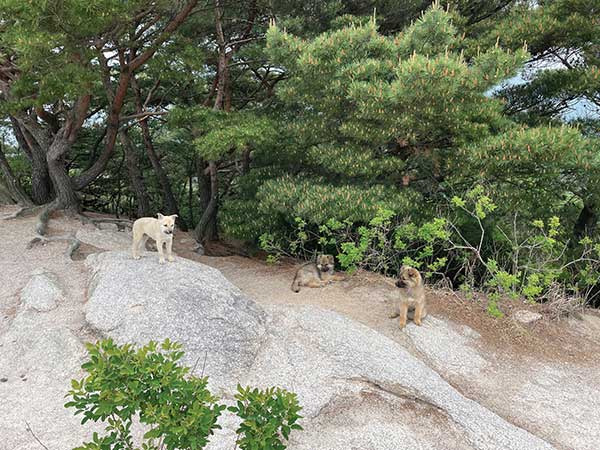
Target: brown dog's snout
<point x="400" y="284"/>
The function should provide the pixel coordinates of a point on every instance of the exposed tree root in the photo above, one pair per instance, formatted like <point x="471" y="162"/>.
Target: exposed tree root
<point x="74" y="243"/>
<point x="41" y="227"/>
<point x="25" y="211"/>
<point x="120" y="223"/>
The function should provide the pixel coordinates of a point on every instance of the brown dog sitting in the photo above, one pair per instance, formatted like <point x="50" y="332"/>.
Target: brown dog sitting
<point x="411" y="303"/>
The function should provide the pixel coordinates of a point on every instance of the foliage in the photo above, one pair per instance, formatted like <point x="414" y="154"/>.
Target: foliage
<point x="214" y="134"/>
<point x="465" y="246"/>
<point x="563" y="39"/>
<point x="325" y="121"/>
<point x="357" y="132"/>
<point x="268" y="417"/>
<point x="523" y="262"/>
<point x="149" y="384"/>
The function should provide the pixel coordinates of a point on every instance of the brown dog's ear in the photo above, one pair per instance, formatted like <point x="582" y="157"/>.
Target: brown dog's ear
<point x="160" y="216"/>
<point x="413" y="273"/>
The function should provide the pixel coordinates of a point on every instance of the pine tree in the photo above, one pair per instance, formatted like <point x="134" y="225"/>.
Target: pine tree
<point x="373" y="121"/>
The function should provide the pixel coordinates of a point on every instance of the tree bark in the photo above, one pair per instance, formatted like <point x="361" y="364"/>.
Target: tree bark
<point x="66" y="198"/>
<point x="41" y="185"/>
<point x="191" y="196"/>
<point x="135" y="175"/>
<point x="206" y="229"/>
<point x="127" y="68"/>
<point x="11" y="182"/>
<point x="221" y="57"/>
<point x="208" y="183"/>
<point x="112" y="129"/>
<point x="5" y="197"/>
<point x="586" y="222"/>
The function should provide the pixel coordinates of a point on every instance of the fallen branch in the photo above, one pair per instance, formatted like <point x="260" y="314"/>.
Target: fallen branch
<point x="143" y="115"/>
<point x="34" y="436"/>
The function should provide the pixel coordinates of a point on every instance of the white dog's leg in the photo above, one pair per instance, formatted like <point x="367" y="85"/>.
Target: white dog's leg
<point x="136" y="244"/>
<point x="142" y="244"/>
<point x="159" y="246"/>
<point x="169" y="250"/>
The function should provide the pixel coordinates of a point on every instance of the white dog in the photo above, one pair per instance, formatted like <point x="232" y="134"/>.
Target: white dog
<point x="161" y="230"/>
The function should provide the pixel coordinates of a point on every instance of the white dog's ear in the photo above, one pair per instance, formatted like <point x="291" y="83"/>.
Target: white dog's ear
<point x="174" y="215"/>
<point x="160" y="216"/>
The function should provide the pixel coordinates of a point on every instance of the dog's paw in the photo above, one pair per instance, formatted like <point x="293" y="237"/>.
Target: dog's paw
<point x="171" y="259"/>
<point x="137" y="257"/>
<point x="161" y="261"/>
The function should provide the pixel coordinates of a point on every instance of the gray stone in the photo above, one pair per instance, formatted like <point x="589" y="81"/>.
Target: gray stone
<point x="142" y="300"/>
<point x="32" y="347"/>
<point x="438" y="340"/>
<point x="526" y="317"/>
<point x="347" y="376"/>
<point x="106" y="239"/>
<point x="358" y="388"/>
<point x="39" y="358"/>
<point x="42" y="292"/>
<point x="107" y="226"/>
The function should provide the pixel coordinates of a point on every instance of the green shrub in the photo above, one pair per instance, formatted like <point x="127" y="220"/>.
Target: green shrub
<point x="468" y="241"/>
<point x="123" y="383"/>
<point x="268" y="416"/>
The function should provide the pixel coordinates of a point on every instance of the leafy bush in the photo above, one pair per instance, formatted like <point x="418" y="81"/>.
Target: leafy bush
<point x="467" y="245"/>
<point x="148" y="383"/>
<point x="268" y="417"/>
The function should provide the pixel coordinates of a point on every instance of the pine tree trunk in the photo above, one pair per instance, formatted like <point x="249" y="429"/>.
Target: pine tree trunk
<point x="41" y="185"/>
<point x="586" y="222"/>
<point x="5" y="197"/>
<point x="206" y="229"/>
<point x="135" y="175"/>
<point x="66" y="198"/>
<point x="13" y="187"/>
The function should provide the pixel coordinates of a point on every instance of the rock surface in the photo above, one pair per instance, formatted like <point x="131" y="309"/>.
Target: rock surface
<point x="38" y="360"/>
<point x="104" y="238"/>
<point x="555" y="400"/>
<point x="358" y="388"/>
<point x="142" y="300"/>
<point x="42" y="292"/>
<point x="349" y="375"/>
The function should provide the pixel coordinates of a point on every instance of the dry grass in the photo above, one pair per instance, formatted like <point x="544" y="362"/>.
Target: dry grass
<point x="561" y="304"/>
